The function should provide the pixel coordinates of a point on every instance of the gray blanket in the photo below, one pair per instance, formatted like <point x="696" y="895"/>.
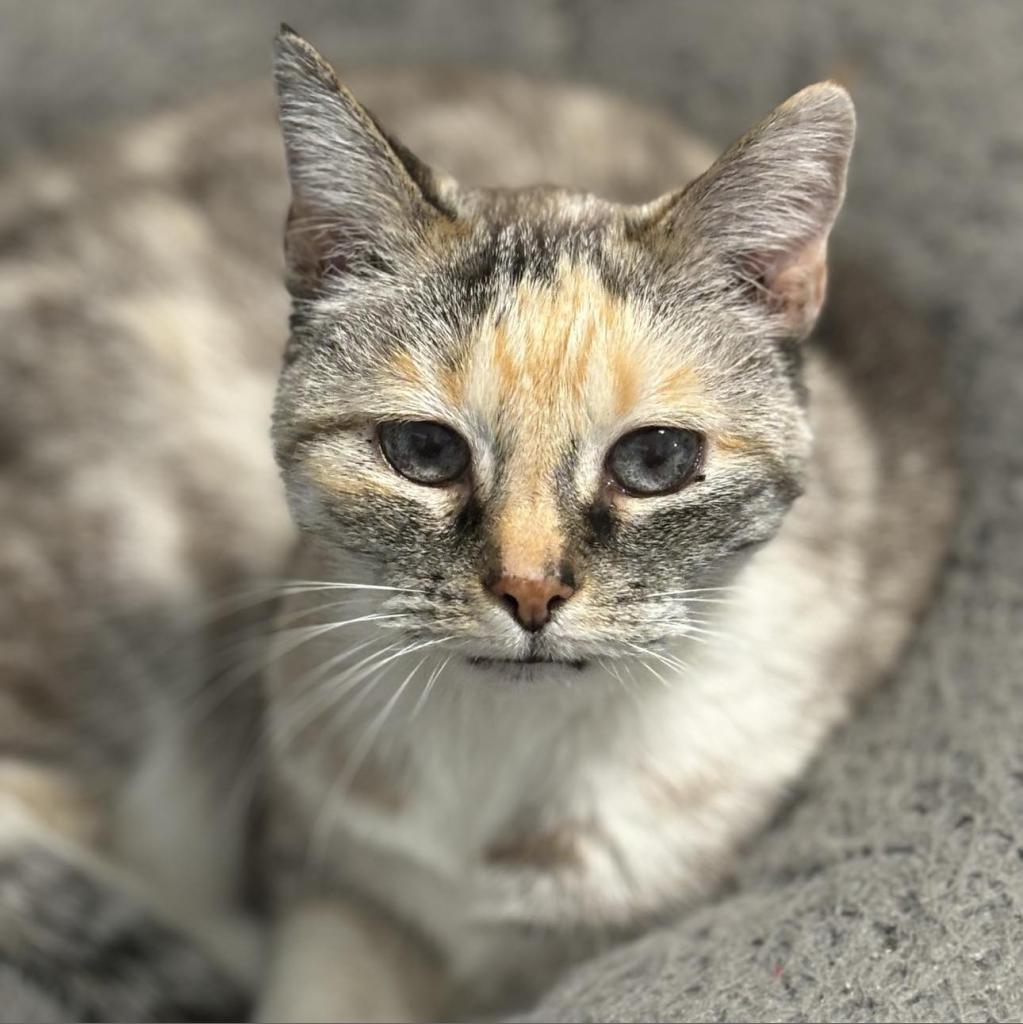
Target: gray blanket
<point x="891" y="888"/>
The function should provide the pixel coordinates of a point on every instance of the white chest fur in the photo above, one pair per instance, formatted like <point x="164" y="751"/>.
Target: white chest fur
<point x="587" y="802"/>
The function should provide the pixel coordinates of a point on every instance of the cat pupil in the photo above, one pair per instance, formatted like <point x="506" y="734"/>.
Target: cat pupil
<point x="654" y="458"/>
<point x="428" y="449"/>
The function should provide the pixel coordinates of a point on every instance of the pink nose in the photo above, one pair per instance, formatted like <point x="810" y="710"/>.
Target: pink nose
<point x="531" y="601"/>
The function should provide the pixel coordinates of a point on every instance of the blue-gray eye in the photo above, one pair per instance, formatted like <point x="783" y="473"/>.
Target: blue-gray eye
<point x="655" y="460"/>
<point x="424" y="452"/>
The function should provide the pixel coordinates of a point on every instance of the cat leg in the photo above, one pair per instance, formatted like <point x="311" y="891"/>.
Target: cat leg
<point x="77" y="941"/>
<point x="338" y="961"/>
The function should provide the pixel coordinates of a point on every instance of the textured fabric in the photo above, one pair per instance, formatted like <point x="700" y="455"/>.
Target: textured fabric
<point x="892" y="886"/>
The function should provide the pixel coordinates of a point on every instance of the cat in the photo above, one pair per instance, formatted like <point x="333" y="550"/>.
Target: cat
<point x="591" y="548"/>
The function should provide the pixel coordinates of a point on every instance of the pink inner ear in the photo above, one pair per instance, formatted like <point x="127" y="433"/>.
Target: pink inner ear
<point x="312" y="249"/>
<point x="796" y="285"/>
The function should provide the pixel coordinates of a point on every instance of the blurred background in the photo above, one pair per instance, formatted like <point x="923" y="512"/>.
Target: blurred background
<point x="936" y="208"/>
<point x="937" y="181"/>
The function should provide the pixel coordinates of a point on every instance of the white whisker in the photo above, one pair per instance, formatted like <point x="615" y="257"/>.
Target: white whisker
<point x="327" y="693"/>
<point x="424" y="696"/>
<point x="302" y="613"/>
<point x="698" y="632"/>
<point x="657" y="675"/>
<point x="309" y="632"/>
<point x="356" y="702"/>
<point x="300" y="586"/>
<point x="672" y="663"/>
<point x="266" y="592"/>
<point x="694" y="590"/>
<point x="363" y="748"/>
<point x="215" y="696"/>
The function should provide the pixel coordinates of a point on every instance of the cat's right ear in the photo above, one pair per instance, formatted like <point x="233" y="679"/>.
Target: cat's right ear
<point x="360" y="202"/>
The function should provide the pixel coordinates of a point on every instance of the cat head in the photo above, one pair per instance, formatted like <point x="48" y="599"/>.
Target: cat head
<point x="545" y="416"/>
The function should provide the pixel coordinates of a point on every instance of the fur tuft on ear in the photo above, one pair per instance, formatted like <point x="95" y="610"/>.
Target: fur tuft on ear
<point x="360" y="201"/>
<point x="769" y="202"/>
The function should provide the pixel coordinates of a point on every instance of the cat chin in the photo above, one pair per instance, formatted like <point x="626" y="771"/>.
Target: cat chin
<point x="530" y="669"/>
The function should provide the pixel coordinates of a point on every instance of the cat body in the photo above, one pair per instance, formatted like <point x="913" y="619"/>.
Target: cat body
<point x="442" y="829"/>
<point x="519" y="825"/>
<point x="521" y="778"/>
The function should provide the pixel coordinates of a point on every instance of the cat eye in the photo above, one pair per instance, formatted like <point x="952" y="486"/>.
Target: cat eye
<point x="424" y="452"/>
<point x="655" y="460"/>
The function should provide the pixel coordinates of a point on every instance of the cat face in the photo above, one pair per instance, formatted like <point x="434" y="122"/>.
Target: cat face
<point x="552" y="420"/>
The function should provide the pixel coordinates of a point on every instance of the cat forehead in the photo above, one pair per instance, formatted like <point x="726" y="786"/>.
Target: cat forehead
<point x="564" y="353"/>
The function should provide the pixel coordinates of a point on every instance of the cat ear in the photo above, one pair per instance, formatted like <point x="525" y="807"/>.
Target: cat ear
<point x="768" y="204"/>
<point x="360" y="201"/>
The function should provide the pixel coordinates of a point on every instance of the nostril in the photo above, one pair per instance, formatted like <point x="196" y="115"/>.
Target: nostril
<point x="530" y="600"/>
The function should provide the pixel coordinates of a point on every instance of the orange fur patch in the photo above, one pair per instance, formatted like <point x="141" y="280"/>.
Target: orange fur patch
<point x="556" y="364"/>
<point x="404" y="366"/>
<point x="334" y="476"/>
<point x="557" y="368"/>
<point x="735" y="444"/>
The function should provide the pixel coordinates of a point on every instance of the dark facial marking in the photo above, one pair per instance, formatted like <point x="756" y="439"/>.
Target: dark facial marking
<point x="602" y="522"/>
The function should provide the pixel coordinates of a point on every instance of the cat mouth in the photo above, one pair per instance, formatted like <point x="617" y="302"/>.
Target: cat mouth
<point x="575" y="663"/>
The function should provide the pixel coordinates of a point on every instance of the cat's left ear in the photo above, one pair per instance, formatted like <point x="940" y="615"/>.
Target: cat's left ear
<point x="765" y="208"/>
<point x="361" y="202"/>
